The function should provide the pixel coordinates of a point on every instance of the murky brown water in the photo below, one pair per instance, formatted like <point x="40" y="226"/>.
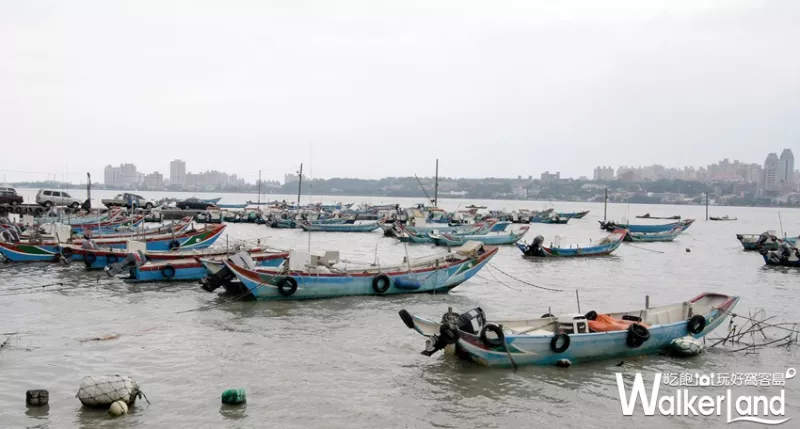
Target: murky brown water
<point x="350" y="362"/>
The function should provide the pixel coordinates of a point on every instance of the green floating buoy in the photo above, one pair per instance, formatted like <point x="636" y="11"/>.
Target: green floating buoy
<point x="234" y="397"/>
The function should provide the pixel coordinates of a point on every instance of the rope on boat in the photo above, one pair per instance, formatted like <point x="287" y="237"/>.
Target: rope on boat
<point x="523" y="281"/>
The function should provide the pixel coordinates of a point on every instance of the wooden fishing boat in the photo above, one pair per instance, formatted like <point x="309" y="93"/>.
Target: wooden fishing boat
<point x="786" y="255"/>
<point x="647" y="216"/>
<point x="721" y="218"/>
<point x="339" y="227"/>
<point x="572" y="215"/>
<point x="474" y="228"/>
<point x="194" y="269"/>
<point x="306" y="276"/>
<point x="575" y="337"/>
<point x="605" y="246"/>
<point x="611" y="225"/>
<point x="406" y="236"/>
<point x="491" y="239"/>
<point x="552" y="220"/>
<point x="98" y="258"/>
<point x="50" y="251"/>
<point x="654" y="236"/>
<point x="766" y="240"/>
<point x="282" y="223"/>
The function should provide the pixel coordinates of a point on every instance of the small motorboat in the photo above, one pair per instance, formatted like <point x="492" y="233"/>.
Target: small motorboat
<point x="572" y="336"/>
<point x="723" y="218"/>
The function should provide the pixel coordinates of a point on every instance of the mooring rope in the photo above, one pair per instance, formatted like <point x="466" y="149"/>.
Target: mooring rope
<point x="523" y="281"/>
<point x="644" y="248"/>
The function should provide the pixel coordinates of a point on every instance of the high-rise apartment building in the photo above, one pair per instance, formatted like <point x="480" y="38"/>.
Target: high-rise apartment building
<point x="771" y="167"/>
<point x="177" y="172"/>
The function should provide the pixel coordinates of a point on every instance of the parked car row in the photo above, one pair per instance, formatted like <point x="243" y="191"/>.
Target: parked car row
<point x="51" y="197"/>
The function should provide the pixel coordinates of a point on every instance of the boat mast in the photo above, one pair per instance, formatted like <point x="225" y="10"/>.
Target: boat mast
<point x="259" y="189"/>
<point x="605" y="206"/>
<point x="88" y="192"/>
<point x="436" y="187"/>
<point x="299" y="184"/>
<point x="706" y="205"/>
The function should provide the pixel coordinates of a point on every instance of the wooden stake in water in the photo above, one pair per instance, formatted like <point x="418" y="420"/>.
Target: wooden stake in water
<point x="647" y="302"/>
<point x="706" y="205"/>
<point x="577" y="297"/>
<point x="605" y="207"/>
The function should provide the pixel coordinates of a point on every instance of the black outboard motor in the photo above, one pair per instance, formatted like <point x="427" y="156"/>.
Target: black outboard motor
<point x="762" y="239"/>
<point x="535" y="248"/>
<point x="470" y="322"/>
<point x="785" y="250"/>
<point x="132" y="260"/>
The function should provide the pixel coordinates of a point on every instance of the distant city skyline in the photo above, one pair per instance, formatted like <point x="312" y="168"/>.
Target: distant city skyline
<point x="362" y="89"/>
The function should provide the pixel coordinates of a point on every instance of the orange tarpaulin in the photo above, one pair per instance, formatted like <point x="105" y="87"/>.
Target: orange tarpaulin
<point x="606" y="323"/>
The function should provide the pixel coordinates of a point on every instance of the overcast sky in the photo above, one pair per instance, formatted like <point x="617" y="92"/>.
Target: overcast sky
<point x="377" y="88"/>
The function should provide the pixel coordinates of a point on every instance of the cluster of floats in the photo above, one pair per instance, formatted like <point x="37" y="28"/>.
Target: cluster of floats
<point x="182" y="250"/>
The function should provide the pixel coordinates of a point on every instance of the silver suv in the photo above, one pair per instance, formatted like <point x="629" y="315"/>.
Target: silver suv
<point x="49" y="198"/>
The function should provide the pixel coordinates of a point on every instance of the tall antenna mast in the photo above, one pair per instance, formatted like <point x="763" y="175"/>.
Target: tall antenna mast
<point x="436" y="187"/>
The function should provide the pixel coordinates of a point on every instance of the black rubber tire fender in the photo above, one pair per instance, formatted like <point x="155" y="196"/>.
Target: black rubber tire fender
<point x="407" y="319"/>
<point x="67" y="252"/>
<point x="637" y="335"/>
<point x="696" y="324"/>
<point x="112" y="258"/>
<point x="565" y="342"/>
<point x="89" y="258"/>
<point x="287" y="286"/>
<point x="492" y="342"/>
<point x="174" y="244"/>
<point x="381" y="279"/>
<point x="168" y="271"/>
<point x="592" y="315"/>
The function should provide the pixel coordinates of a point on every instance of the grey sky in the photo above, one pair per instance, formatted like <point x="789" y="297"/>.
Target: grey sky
<point x="382" y="88"/>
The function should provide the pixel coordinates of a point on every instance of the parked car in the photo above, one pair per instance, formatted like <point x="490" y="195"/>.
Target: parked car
<point x="193" y="204"/>
<point x="9" y="197"/>
<point x="125" y="200"/>
<point x="49" y="198"/>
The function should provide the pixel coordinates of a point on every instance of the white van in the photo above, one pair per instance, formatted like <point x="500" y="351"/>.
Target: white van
<point x="49" y="198"/>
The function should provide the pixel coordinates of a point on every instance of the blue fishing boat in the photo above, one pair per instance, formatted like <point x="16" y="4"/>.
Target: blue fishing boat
<point x="654" y="236"/>
<point x="610" y="226"/>
<point x="192" y="268"/>
<point x="475" y="228"/>
<point x="572" y="215"/>
<point x="766" y="240"/>
<point x="232" y="206"/>
<point x="282" y="223"/>
<point x="50" y="251"/>
<point x="551" y="220"/>
<point x="335" y="227"/>
<point x="492" y="239"/>
<point x="406" y="236"/>
<point x="603" y="247"/>
<point x="787" y="255"/>
<point x="308" y="276"/>
<point x="575" y="337"/>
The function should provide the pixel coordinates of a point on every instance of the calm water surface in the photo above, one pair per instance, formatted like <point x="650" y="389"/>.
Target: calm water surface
<point x="350" y="362"/>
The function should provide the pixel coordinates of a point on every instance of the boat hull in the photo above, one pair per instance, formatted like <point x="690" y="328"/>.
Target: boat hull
<point x="23" y="252"/>
<point x="263" y="285"/>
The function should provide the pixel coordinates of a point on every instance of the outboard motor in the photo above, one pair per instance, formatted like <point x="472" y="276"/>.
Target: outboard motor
<point x="134" y="259"/>
<point x="535" y="248"/>
<point x="785" y="250"/>
<point x="470" y="322"/>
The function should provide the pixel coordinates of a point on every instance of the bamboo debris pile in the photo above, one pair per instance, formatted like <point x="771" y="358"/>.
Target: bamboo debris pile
<point x="758" y="332"/>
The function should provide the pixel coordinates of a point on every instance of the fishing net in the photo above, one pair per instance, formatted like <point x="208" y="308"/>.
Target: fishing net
<point x="106" y="389"/>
